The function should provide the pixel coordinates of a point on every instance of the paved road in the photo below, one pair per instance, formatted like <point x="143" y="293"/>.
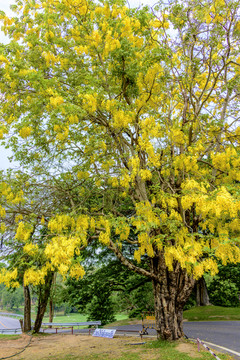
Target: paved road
<point x="223" y="333"/>
<point x="9" y="323"/>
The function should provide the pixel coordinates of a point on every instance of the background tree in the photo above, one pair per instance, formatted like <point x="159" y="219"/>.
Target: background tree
<point x="109" y="288"/>
<point x="224" y="289"/>
<point x="11" y="299"/>
<point x="146" y="103"/>
<point x="25" y="237"/>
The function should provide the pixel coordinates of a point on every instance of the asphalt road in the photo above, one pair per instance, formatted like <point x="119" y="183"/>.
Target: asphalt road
<point x="223" y="333"/>
<point x="7" y="323"/>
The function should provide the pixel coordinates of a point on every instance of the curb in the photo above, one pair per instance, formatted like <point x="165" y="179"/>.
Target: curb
<point x="221" y="348"/>
<point x="224" y="348"/>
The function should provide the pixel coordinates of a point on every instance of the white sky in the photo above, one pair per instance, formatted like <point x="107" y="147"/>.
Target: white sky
<point x="5" y="6"/>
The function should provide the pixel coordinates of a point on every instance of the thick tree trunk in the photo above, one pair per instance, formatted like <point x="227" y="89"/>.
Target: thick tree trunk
<point x="43" y="297"/>
<point x="202" y="297"/>
<point x="27" y="310"/>
<point x="171" y="291"/>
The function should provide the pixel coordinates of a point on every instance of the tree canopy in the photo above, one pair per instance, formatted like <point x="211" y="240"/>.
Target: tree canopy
<point x="142" y="102"/>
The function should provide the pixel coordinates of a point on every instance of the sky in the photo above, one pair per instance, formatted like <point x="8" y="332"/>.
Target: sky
<point x="5" y="6"/>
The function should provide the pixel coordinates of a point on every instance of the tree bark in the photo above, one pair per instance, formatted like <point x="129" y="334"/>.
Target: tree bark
<point x="44" y="293"/>
<point x="27" y="309"/>
<point x="202" y="297"/>
<point x="171" y="291"/>
<point x="51" y="300"/>
<point x="51" y="310"/>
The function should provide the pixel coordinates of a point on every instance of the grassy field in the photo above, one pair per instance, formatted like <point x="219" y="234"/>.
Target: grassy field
<point x="203" y="313"/>
<point x="12" y="337"/>
<point x="78" y="318"/>
<point x="208" y="313"/>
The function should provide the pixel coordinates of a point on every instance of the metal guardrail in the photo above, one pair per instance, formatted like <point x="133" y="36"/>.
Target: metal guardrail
<point x="55" y="325"/>
<point x="10" y="314"/>
<point x="11" y="331"/>
<point x="58" y="326"/>
<point x="86" y="323"/>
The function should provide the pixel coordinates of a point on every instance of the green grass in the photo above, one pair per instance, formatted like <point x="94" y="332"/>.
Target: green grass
<point x="212" y="313"/>
<point x="9" y="337"/>
<point x="157" y="350"/>
<point x="75" y="317"/>
<point x="202" y="313"/>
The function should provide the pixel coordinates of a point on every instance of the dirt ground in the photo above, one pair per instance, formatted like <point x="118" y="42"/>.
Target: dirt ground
<point x="83" y="346"/>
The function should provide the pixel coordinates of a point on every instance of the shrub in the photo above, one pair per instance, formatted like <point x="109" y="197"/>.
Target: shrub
<point x="223" y="293"/>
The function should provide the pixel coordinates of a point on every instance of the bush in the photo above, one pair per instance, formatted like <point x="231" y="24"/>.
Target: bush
<point x="191" y="302"/>
<point x="101" y="308"/>
<point x="223" y="293"/>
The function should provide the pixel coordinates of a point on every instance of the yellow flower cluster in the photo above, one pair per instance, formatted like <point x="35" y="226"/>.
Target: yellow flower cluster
<point x="8" y="277"/>
<point x="186" y="163"/>
<point x="60" y="223"/>
<point x="134" y="165"/>
<point x="122" y="119"/>
<point x="123" y="229"/>
<point x="50" y="58"/>
<point x="2" y="212"/>
<point x="77" y="271"/>
<point x="110" y="44"/>
<point x="23" y="232"/>
<point x="95" y="38"/>
<point x="55" y="101"/>
<point x="3" y="59"/>
<point x="35" y="276"/>
<point x="81" y="50"/>
<point x="145" y="216"/>
<point x="2" y="227"/>
<point x="206" y="265"/>
<point x="145" y="174"/>
<point x="49" y="36"/>
<point x="61" y="250"/>
<point x="228" y="253"/>
<point x="90" y="102"/>
<point x="104" y="236"/>
<point x="30" y="249"/>
<point x="25" y="131"/>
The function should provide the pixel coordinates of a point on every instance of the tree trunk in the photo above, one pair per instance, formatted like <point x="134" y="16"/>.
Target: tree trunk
<point x="202" y="297"/>
<point x="51" y="300"/>
<point x="44" y="293"/>
<point x="171" y="291"/>
<point x="51" y="310"/>
<point x="27" y="309"/>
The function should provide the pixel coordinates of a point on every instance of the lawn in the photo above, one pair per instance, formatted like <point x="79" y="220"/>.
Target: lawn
<point x="12" y="337"/>
<point x="208" y="313"/>
<point x="75" y="317"/>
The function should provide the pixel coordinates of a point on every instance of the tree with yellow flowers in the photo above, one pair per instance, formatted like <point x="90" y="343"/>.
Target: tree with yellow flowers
<point x="28" y="206"/>
<point x="143" y="102"/>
